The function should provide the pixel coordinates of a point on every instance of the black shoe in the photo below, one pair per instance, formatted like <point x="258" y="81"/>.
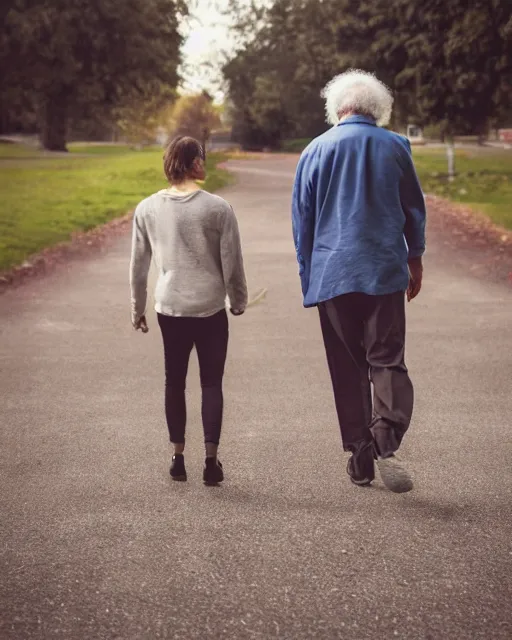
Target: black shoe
<point x="177" y="470"/>
<point x="212" y="473"/>
<point x="361" y="466"/>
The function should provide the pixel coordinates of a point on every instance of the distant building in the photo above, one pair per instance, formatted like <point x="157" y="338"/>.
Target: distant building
<point x="505" y="136"/>
<point x="415" y="134"/>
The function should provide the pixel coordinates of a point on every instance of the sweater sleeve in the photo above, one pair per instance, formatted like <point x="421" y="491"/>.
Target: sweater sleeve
<point x="139" y="265"/>
<point x="232" y="261"/>
<point x="413" y="205"/>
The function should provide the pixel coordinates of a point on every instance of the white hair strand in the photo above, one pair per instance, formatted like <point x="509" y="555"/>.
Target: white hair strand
<point x="358" y="92"/>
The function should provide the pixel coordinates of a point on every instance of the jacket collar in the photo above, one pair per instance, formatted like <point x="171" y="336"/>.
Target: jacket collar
<point x="356" y="119"/>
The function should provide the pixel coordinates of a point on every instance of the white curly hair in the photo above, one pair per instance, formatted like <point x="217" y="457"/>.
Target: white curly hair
<point x="357" y="92"/>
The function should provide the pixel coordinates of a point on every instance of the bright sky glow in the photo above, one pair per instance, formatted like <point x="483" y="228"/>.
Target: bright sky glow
<point x="208" y="44"/>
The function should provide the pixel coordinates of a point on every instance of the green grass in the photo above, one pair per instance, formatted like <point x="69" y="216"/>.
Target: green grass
<point x="11" y="151"/>
<point x="483" y="181"/>
<point x="100" y="149"/>
<point x="45" y="199"/>
<point x="109" y="149"/>
<point x="295" y="145"/>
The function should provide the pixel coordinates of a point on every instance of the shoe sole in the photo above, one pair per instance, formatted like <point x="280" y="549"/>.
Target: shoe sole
<point x="394" y="476"/>
<point x="216" y="472"/>
<point x="212" y="483"/>
<point x="179" y="478"/>
<point x="361" y="483"/>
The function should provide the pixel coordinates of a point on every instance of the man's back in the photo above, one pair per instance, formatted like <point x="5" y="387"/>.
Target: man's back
<point x="356" y="200"/>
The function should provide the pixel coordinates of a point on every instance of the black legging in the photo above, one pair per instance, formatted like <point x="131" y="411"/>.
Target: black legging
<point x="210" y="337"/>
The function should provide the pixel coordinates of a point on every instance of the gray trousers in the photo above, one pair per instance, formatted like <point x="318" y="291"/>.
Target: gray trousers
<point x="364" y="339"/>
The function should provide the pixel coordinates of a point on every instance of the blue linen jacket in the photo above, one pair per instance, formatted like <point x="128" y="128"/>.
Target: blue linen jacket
<point x="358" y="212"/>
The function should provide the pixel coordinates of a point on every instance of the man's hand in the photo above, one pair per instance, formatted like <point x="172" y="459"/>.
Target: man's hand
<point x="141" y="324"/>
<point x="415" y="278"/>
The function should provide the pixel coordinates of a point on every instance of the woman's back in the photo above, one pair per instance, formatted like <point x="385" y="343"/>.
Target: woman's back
<point x="195" y="243"/>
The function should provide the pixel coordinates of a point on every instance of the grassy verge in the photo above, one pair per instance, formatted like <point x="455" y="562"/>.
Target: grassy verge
<point x="295" y="145"/>
<point x="483" y="181"/>
<point x="45" y="198"/>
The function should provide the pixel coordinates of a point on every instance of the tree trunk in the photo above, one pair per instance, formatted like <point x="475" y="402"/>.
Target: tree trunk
<point x="54" y="122"/>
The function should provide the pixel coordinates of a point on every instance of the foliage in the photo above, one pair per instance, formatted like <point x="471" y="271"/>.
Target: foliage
<point x="458" y="63"/>
<point x="449" y="64"/>
<point x="274" y="81"/>
<point x="60" y="58"/>
<point x="141" y="118"/>
<point x="194" y="115"/>
<point x="45" y="199"/>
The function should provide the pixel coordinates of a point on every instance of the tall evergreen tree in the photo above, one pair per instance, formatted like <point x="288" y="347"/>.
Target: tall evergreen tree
<point x="64" y="54"/>
<point x="449" y="64"/>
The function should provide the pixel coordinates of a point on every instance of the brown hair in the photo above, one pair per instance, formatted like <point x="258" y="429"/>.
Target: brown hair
<point x="179" y="157"/>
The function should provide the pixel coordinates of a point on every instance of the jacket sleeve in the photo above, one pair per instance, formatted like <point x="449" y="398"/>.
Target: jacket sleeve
<point x="232" y="261"/>
<point x="413" y="206"/>
<point x="139" y="266"/>
<point x="303" y="214"/>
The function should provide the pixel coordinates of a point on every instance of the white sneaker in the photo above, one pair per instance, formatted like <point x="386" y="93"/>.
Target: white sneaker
<point x="394" y="475"/>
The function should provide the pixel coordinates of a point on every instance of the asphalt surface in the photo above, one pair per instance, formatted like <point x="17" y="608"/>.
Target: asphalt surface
<point x="95" y="541"/>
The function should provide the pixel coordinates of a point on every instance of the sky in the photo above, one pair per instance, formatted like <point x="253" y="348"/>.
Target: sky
<point x="207" y="42"/>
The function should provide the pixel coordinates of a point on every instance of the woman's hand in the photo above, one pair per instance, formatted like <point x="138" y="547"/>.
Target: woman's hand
<point x="237" y="312"/>
<point x="141" y="324"/>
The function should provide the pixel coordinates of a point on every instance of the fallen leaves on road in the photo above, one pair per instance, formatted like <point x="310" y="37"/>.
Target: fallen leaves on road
<point x="485" y="247"/>
<point x="81" y="245"/>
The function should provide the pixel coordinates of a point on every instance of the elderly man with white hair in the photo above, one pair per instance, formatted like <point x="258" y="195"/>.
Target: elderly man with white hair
<point x="359" y="230"/>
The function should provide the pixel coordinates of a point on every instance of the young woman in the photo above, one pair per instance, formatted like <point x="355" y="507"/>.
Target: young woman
<point x="193" y="238"/>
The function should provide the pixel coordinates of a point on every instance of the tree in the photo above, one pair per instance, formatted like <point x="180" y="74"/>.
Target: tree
<point x="193" y="115"/>
<point x="458" y="60"/>
<point x="67" y="53"/>
<point x="141" y="119"/>
<point x="275" y="79"/>
<point x="449" y="64"/>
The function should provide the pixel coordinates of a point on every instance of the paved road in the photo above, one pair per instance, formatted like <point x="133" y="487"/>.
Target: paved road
<point x="95" y="543"/>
